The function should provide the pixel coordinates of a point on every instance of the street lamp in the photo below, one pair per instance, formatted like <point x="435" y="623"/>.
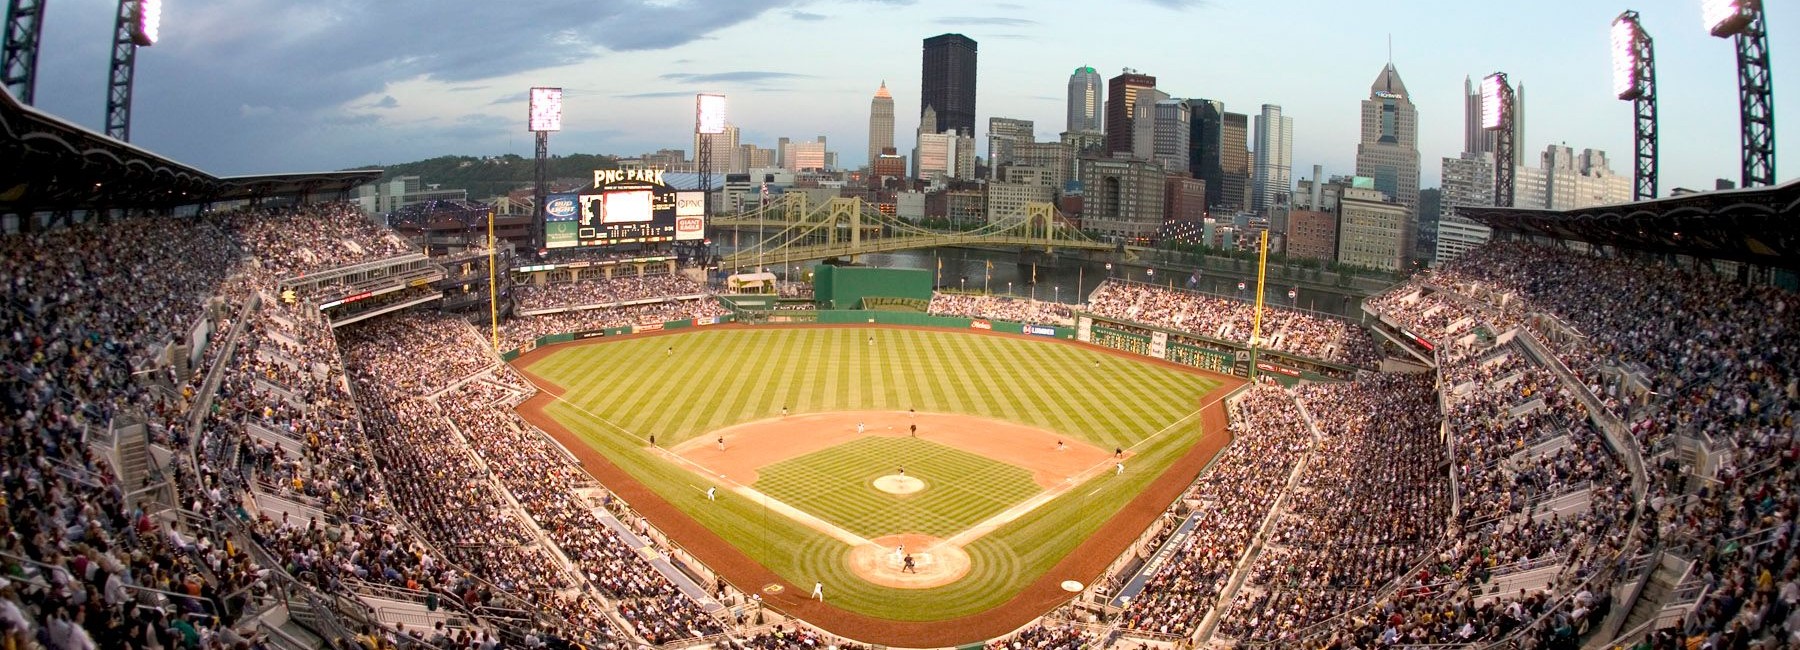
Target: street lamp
<point x="1009" y="288"/>
<point x="1150" y="276"/>
<point x="1109" y="270"/>
<point x="1058" y="293"/>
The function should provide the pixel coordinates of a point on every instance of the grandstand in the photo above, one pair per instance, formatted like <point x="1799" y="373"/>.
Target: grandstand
<point x="265" y="419"/>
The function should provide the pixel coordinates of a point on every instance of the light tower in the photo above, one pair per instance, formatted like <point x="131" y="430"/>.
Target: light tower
<point x="709" y="122"/>
<point x="1497" y="115"/>
<point x="544" y="115"/>
<point x="18" y="63"/>
<point x="1743" y="19"/>
<point x="1634" y="80"/>
<point x="138" y="24"/>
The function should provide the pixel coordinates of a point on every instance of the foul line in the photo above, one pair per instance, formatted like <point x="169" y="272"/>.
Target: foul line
<point x="1006" y="516"/>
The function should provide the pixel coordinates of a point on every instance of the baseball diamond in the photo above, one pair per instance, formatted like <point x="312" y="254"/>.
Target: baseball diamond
<point x="1008" y="443"/>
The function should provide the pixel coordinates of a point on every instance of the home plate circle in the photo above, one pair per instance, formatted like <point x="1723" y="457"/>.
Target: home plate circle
<point x="899" y="484"/>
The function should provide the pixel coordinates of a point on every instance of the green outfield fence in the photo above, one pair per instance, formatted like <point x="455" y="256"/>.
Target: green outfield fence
<point x="825" y="317"/>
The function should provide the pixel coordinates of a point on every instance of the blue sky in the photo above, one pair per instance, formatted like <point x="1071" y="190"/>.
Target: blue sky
<point x="250" y="86"/>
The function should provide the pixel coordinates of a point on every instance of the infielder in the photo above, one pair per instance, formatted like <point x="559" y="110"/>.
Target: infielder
<point x="819" y="591"/>
<point x="712" y="494"/>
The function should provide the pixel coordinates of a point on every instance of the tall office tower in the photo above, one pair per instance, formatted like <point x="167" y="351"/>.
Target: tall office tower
<point x="1143" y="123"/>
<point x="947" y="82"/>
<point x="1084" y="101"/>
<point x="1004" y="136"/>
<point x="1476" y="140"/>
<point x="1567" y="182"/>
<point x="1234" y="161"/>
<point x="1468" y="182"/>
<point x="1121" y="98"/>
<point x="724" y="149"/>
<point x="1274" y="156"/>
<point x="881" y="123"/>
<point x="1389" y="149"/>
<point x="781" y="152"/>
<point x="1373" y="231"/>
<point x="1204" y="146"/>
<point x="1172" y="135"/>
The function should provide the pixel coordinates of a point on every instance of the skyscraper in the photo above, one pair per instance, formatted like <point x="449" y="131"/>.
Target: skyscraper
<point x="1143" y="123"/>
<point x="1389" y="149"/>
<point x="1084" y="101"/>
<point x="1171" y="136"/>
<point x="1204" y="139"/>
<point x="724" y="147"/>
<point x="947" y="82"/>
<point x="1234" y="161"/>
<point x="1005" y="133"/>
<point x="1479" y="140"/>
<point x="1121" y="98"/>
<point x="881" y="123"/>
<point x="1274" y="156"/>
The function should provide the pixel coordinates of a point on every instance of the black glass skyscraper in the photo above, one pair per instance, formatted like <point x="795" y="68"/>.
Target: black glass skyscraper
<point x="947" y="82"/>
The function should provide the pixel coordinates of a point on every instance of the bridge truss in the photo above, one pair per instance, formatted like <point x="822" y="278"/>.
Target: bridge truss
<point x="792" y="229"/>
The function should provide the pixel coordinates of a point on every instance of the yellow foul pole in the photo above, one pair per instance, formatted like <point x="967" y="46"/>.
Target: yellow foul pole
<point x="493" y="291"/>
<point x="1262" y="269"/>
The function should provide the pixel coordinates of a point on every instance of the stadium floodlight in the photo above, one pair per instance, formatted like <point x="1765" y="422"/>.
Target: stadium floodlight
<point x="1493" y="108"/>
<point x="148" y="24"/>
<point x="711" y="111"/>
<point x="545" y="110"/>
<point x="1624" y="57"/>
<point x="1727" y="17"/>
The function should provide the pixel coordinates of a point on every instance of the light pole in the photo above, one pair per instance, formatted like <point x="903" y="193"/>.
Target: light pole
<point x="1058" y="289"/>
<point x="1150" y="276"/>
<point x="1009" y="289"/>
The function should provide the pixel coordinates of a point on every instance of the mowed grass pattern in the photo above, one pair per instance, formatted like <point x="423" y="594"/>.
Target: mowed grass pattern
<point x="961" y="489"/>
<point x="622" y="391"/>
<point x="717" y="378"/>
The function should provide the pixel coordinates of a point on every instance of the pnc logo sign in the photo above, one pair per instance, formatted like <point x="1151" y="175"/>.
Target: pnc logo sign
<point x="610" y="176"/>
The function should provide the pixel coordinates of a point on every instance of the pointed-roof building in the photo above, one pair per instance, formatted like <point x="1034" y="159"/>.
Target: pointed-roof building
<point x="881" y="123"/>
<point x="1387" y="153"/>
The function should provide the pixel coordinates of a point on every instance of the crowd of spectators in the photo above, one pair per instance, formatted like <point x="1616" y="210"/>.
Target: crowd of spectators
<point x="590" y="293"/>
<point x="1369" y="506"/>
<point x="1285" y="330"/>
<point x="1233" y="498"/>
<point x="1017" y="310"/>
<point x="1718" y="359"/>
<point x="519" y="331"/>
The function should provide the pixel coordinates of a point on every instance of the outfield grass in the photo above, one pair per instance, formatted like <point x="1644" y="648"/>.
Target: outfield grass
<point x="961" y="489"/>
<point x="621" y="392"/>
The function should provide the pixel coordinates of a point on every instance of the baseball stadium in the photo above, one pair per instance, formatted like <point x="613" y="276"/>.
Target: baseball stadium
<point x="293" y="411"/>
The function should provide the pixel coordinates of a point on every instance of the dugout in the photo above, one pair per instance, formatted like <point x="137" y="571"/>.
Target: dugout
<point x="845" y="287"/>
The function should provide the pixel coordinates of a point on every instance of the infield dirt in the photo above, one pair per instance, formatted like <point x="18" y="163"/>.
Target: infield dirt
<point x="1084" y="563"/>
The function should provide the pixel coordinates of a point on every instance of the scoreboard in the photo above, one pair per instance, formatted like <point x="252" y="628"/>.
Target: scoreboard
<point x="623" y="207"/>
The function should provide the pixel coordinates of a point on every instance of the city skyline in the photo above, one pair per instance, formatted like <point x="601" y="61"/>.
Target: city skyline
<point x="261" y="86"/>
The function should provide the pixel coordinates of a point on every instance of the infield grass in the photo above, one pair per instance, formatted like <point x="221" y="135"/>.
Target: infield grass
<point x="620" y="392"/>
<point x="961" y="488"/>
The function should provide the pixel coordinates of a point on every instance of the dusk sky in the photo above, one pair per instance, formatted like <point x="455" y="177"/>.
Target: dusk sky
<point x="252" y="86"/>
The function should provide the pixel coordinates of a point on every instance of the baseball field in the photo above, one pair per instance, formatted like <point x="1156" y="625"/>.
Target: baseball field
<point x="920" y="476"/>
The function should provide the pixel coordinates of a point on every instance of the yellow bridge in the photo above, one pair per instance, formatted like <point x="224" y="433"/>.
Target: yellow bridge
<point x="792" y="230"/>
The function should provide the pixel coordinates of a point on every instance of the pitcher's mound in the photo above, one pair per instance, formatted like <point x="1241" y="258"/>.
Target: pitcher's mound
<point x="935" y="563"/>
<point x="897" y="484"/>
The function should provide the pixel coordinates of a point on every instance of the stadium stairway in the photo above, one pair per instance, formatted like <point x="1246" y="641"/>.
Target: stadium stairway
<point x="1648" y="605"/>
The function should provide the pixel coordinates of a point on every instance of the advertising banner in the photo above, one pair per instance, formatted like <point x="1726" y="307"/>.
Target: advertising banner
<point x="981" y="324"/>
<point x="1270" y="367"/>
<point x="709" y="320"/>
<point x="562" y="221"/>
<point x="647" y="327"/>
<point x="1159" y="345"/>
<point x="590" y="335"/>
<point x="1136" y="584"/>
<point x="1040" y="330"/>
<point x="1084" y="329"/>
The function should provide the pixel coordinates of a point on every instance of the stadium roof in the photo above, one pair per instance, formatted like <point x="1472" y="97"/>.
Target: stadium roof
<point x="1759" y="225"/>
<point x="61" y="166"/>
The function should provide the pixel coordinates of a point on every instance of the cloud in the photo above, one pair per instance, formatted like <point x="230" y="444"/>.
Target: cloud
<point x="1004" y="37"/>
<point x="465" y="89"/>
<point x="247" y="110"/>
<point x="969" y="21"/>
<point x="656" y="95"/>
<point x="1179" y="4"/>
<point x="1010" y="6"/>
<point x="514" y="98"/>
<point x="805" y="15"/>
<point x="386" y="101"/>
<point x="742" y="76"/>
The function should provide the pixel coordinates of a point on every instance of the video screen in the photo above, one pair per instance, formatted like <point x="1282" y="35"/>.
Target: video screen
<point x="627" y="207"/>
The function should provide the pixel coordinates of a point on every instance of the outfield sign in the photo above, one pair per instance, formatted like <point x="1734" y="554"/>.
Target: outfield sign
<point x="1159" y="345"/>
<point x="709" y="320"/>
<point x="1136" y="584"/>
<point x="1084" y="329"/>
<point x="646" y="327"/>
<point x="1040" y="330"/>
<point x="590" y="335"/>
<point x="981" y="324"/>
<point x="1270" y="367"/>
